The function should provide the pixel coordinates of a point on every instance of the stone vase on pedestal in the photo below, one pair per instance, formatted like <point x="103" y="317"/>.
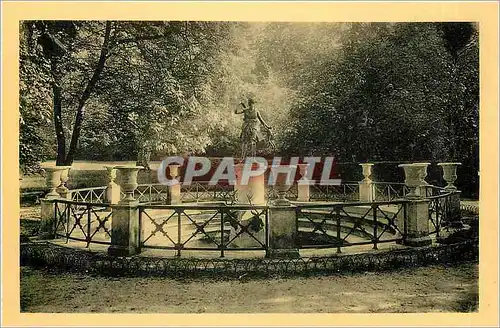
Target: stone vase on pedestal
<point x="174" y="190"/>
<point x="366" y="186"/>
<point x="128" y="181"/>
<point x="422" y="189"/>
<point x="125" y="234"/>
<point x="454" y="230"/>
<point x="62" y="189"/>
<point x="112" y="189"/>
<point x="303" y="190"/>
<point x="450" y="174"/>
<point x="413" y="179"/>
<point x="53" y="180"/>
<point x="282" y="184"/>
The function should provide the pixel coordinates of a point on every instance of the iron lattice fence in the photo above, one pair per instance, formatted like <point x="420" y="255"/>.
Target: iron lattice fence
<point x="222" y="227"/>
<point x="54" y="256"/>
<point x="347" y="191"/>
<point x="89" y="195"/>
<point x="207" y="228"/>
<point x="386" y="191"/>
<point x="82" y="221"/>
<point x="351" y="224"/>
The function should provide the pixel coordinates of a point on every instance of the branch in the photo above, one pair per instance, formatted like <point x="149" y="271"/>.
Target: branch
<point x="143" y="38"/>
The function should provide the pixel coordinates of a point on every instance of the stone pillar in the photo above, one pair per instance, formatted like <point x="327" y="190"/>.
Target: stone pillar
<point x="303" y="191"/>
<point x="450" y="174"/>
<point x="252" y="193"/>
<point x="417" y="223"/>
<point x="366" y="186"/>
<point x="53" y="180"/>
<point x="283" y="232"/>
<point x="112" y="189"/>
<point x="125" y="234"/>
<point x="174" y="190"/>
<point x="417" y="209"/>
<point x="62" y="189"/>
<point x="454" y="229"/>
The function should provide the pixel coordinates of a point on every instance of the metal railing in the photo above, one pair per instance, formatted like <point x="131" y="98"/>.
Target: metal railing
<point x="389" y="191"/>
<point x="347" y="191"/>
<point x="82" y="221"/>
<point x="208" y="228"/>
<point x="90" y="195"/>
<point x="228" y="227"/>
<point x="351" y="224"/>
<point x="202" y="191"/>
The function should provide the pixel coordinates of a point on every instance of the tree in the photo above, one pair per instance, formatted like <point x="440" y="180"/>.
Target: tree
<point x="34" y="104"/>
<point x="89" y="64"/>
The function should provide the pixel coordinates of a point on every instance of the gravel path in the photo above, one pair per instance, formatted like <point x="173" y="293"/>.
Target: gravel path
<point x="426" y="289"/>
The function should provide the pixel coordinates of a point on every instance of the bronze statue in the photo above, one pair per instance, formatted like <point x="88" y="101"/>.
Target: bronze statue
<point x="251" y="133"/>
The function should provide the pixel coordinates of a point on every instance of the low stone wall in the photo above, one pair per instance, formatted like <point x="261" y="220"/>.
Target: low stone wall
<point x="45" y="254"/>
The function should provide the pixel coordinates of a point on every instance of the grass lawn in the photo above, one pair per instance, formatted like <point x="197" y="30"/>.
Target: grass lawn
<point x="427" y="289"/>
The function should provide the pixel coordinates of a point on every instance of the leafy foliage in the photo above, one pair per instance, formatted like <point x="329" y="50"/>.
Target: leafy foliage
<point x="141" y="90"/>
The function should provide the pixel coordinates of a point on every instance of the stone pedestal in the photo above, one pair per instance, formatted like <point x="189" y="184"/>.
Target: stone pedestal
<point x="366" y="192"/>
<point x="366" y="186"/>
<point x="453" y="230"/>
<point x="303" y="190"/>
<point x="253" y="192"/>
<point x="174" y="190"/>
<point x="125" y="236"/>
<point x="282" y="233"/>
<point x="47" y="214"/>
<point x="112" y="189"/>
<point x="53" y="180"/>
<point x="450" y="174"/>
<point x="417" y="224"/>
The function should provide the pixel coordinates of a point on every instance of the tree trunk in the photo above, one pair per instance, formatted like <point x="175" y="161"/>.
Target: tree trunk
<point x="77" y="127"/>
<point x="58" y="125"/>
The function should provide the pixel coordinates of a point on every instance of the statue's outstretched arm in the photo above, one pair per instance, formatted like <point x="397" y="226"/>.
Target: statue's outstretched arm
<point x="239" y="110"/>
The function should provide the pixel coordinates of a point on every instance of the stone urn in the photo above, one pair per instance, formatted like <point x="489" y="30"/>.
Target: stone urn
<point x="423" y="174"/>
<point x="111" y="170"/>
<point x="53" y="179"/>
<point x="413" y="178"/>
<point x="174" y="187"/>
<point x="62" y="189"/>
<point x="282" y="183"/>
<point x="450" y="174"/>
<point x="112" y="189"/>
<point x="423" y="171"/>
<point x="173" y="170"/>
<point x="303" y="170"/>
<point x="128" y="184"/>
<point x="367" y="172"/>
